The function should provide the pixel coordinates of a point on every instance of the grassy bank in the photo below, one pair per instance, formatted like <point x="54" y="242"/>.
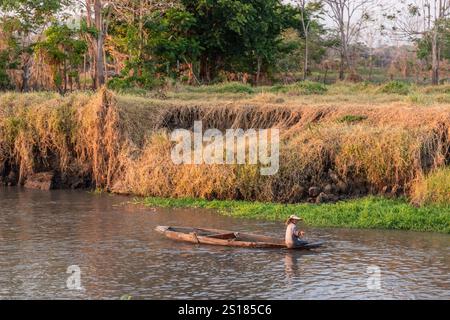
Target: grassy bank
<point x="367" y="213"/>
<point x="310" y="93"/>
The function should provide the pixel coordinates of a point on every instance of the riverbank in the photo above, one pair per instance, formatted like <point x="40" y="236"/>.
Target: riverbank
<point x="337" y="142"/>
<point x="364" y="213"/>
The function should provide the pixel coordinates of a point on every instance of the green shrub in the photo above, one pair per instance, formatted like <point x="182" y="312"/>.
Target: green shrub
<point x="396" y="87"/>
<point x="123" y="84"/>
<point x="309" y="87"/>
<point x="352" y="118"/>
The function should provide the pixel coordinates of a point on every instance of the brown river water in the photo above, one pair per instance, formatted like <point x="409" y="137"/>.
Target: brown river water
<point x="119" y="254"/>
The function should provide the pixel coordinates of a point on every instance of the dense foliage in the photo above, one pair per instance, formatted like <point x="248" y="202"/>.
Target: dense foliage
<point x="80" y="44"/>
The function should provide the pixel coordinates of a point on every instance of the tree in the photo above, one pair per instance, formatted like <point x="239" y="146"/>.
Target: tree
<point x="262" y="35"/>
<point x="9" y="49"/>
<point x="95" y="26"/>
<point x="133" y="30"/>
<point x="5" y="82"/>
<point x="369" y="41"/>
<point x="349" y="17"/>
<point x="64" y="51"/>
<point x="168" y="44"/>
<point x="236" y="35"/>
<point x="136" y="13"/>
<point x="425" y="20"/>
<point x="171" y="43"/>
<point x="308" y="11"/>
<point x="24" y="20"/>
<point x="103" y="15"/>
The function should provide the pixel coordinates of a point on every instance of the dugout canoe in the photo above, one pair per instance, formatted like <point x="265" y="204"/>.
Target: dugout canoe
<point x="227" y="238"/>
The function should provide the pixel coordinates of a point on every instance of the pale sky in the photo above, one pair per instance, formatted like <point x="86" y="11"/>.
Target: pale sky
<point x="372" y="32"/>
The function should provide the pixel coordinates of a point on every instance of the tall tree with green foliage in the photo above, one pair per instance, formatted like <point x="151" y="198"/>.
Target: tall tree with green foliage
<point x="170" y="40"/>
<point x="126" y="37"/>
<point x="63" y="49"/>
<point x="95" y="23"/>
<point x="236" y="35"/>
<point x="209" y="36"/>
<point x="25" y="20"/>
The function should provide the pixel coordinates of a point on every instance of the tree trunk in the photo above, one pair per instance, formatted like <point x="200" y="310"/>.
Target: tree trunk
<point x="371" y="59"/>
<point x="349" y="62"/>
<point x="78" y="80"/>
<point x="93" y="72"/>
<point x="258" y="70"/>
<point x="26" y="74"/>
<point x="100" y="63"/>
<point x="435" y="59"/>
<point x="141" y="28"/>
<point x="60" y="72"/>
<point x="70" y="82"/>
<point x="205" y="71"/>
<point x="342" y="67"/>
<point x="65" y="76"/>
<point x="25" y="77"/>
<point x="190" y="73"/>
<point x="343" y="51"/>
<point x="305" y="66"/>
<point x="105" y="63"/>
<point x="84" y="72"/>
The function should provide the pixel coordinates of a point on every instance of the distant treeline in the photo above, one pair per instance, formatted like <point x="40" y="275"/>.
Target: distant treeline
<point x="83" y="44"/>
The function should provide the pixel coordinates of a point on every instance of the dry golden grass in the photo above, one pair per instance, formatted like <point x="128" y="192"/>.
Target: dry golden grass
<point x="433" y="188"/>
<point x="121" y="142"/>
<point x="36" y="131"/>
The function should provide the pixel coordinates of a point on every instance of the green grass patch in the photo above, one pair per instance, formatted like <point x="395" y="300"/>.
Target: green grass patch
<point x="301" y="88"/>
<point x="365" y="213"/>
<point x="352" y="118"/>
<point x="227" y="87"/>
<point x="396" y="87"/>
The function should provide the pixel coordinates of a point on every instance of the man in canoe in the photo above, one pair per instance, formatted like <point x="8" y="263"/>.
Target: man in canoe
<point x="293" y="234"/>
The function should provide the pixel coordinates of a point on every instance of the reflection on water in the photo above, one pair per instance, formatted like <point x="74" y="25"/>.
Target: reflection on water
<point x="119" y="253"/>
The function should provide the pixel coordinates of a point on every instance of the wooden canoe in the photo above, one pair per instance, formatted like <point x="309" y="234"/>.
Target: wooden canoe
<point x="226" y="238"/>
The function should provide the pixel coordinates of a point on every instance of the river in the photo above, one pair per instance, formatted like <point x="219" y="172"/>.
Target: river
<point x="113" y="245"/>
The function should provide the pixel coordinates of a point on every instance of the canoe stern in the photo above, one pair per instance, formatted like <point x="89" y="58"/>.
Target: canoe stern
<point x="162" y="229"/>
